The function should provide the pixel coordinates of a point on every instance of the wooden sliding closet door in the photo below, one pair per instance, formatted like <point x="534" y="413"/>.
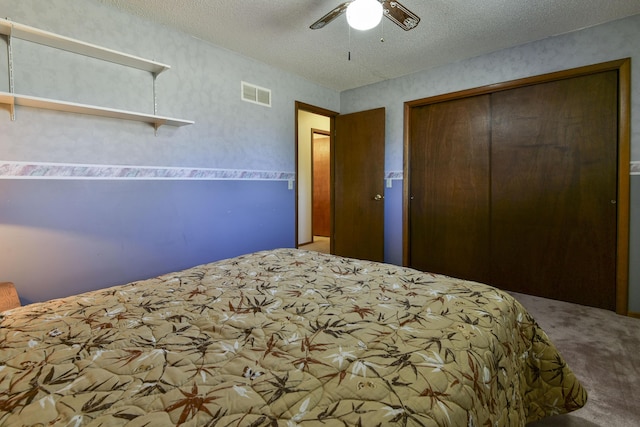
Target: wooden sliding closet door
<point x="517" y="185"/>
<point x="449" y="178"/>
<point x="553" y="189"/>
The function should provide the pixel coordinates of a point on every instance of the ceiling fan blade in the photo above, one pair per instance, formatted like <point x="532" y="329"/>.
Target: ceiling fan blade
<point x="330" y="16"/>
<point x="400" y="15"/>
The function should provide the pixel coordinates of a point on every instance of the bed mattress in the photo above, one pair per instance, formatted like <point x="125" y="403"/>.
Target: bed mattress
<point x="282" y="338"/>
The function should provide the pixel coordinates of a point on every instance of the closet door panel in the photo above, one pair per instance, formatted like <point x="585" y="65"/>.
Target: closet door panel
<point x="553" y="189"/>
<point x="449" y="188"/>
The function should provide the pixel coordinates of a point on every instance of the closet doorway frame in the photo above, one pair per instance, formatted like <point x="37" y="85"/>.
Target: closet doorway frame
<point x="623" y="67"/>
<point x="331" y="115"/>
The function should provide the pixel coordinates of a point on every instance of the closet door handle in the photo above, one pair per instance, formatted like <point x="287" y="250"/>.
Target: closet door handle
<point x="377" y="198"/>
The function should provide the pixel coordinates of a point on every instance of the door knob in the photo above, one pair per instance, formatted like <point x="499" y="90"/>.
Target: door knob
<point x="378" y="197"/>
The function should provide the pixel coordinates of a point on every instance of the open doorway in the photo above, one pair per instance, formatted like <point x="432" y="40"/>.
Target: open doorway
<point x="320" y="173"/>
<point x="356" y="143"/>
<point x="320" y="184"/>
<point x="313" y="177"/>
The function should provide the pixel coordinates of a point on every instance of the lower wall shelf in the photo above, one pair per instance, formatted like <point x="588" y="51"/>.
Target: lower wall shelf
<point x="13" y="99"/>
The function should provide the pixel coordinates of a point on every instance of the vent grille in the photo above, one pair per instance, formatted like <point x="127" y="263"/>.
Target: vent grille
<point x="255" y="94"/>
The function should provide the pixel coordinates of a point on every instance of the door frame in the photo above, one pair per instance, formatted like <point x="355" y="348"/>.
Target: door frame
<point x="301" y="106"/>
<point x="623" y="67"/>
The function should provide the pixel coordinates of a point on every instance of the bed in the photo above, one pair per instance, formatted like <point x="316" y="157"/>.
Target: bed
<point x="283" y="337"/>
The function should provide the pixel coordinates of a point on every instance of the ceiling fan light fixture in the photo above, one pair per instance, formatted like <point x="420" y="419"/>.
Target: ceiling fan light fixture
<point x="364" y="14"/>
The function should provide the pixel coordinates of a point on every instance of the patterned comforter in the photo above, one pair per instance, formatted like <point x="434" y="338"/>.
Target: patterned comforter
<point x="282" y="338"/>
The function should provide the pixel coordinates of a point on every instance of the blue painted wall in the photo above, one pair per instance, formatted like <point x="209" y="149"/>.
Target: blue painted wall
<point x="61" y="237"/>
<point x="393" y="222"/>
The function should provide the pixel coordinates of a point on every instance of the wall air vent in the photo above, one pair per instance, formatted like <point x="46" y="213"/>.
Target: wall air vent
<point x="255" y="94"/>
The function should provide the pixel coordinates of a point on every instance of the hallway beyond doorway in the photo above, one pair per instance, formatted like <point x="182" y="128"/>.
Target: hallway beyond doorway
<point x="319" y="244"/>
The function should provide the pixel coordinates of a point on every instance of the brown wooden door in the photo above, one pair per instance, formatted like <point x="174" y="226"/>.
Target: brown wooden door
<point x="553" y="189"/>
<point x="518" y="187"/>
<point x="358" y="153"/>
<point x="321" y="185"/>
<point x="449" y="178"/>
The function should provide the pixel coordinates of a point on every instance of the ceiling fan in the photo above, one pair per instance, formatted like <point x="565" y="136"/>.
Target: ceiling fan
<point x="393" y="10"/>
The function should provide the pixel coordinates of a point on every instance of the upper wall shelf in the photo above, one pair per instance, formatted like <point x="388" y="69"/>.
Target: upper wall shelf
<point x="13" y="29"/>
<point x="35" y="35"/>
<point x="12" y="99"/>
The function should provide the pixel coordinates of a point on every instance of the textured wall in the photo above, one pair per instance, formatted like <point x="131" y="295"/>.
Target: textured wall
<point x="611" y="41"/>
<point x="203" y="84"/>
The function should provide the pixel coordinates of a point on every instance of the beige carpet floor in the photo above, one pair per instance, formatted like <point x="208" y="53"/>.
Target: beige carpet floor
<point x="603" y="350"/>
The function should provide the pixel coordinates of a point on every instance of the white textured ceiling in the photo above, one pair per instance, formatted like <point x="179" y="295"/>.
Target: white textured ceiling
<point x="277" y="32"/>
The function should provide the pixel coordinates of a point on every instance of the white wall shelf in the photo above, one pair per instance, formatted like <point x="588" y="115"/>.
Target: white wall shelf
<point x="13" y="99"/>
<point x="35" y="35"/>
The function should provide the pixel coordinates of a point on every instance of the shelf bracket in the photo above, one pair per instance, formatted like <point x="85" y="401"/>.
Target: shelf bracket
<point x="155" y="103"/>
<point x="11" y="81"/>
<point x="155" y="100"/>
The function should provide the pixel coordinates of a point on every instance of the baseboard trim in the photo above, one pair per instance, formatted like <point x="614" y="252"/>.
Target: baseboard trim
<point x="633" y="314"/>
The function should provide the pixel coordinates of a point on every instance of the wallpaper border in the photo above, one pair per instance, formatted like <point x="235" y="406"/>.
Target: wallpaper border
<point x="46" y="170"/>
<point x="41" y="170"/>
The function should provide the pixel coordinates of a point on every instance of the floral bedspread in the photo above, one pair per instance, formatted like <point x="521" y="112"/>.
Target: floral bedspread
<point x="282" y="338"/>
